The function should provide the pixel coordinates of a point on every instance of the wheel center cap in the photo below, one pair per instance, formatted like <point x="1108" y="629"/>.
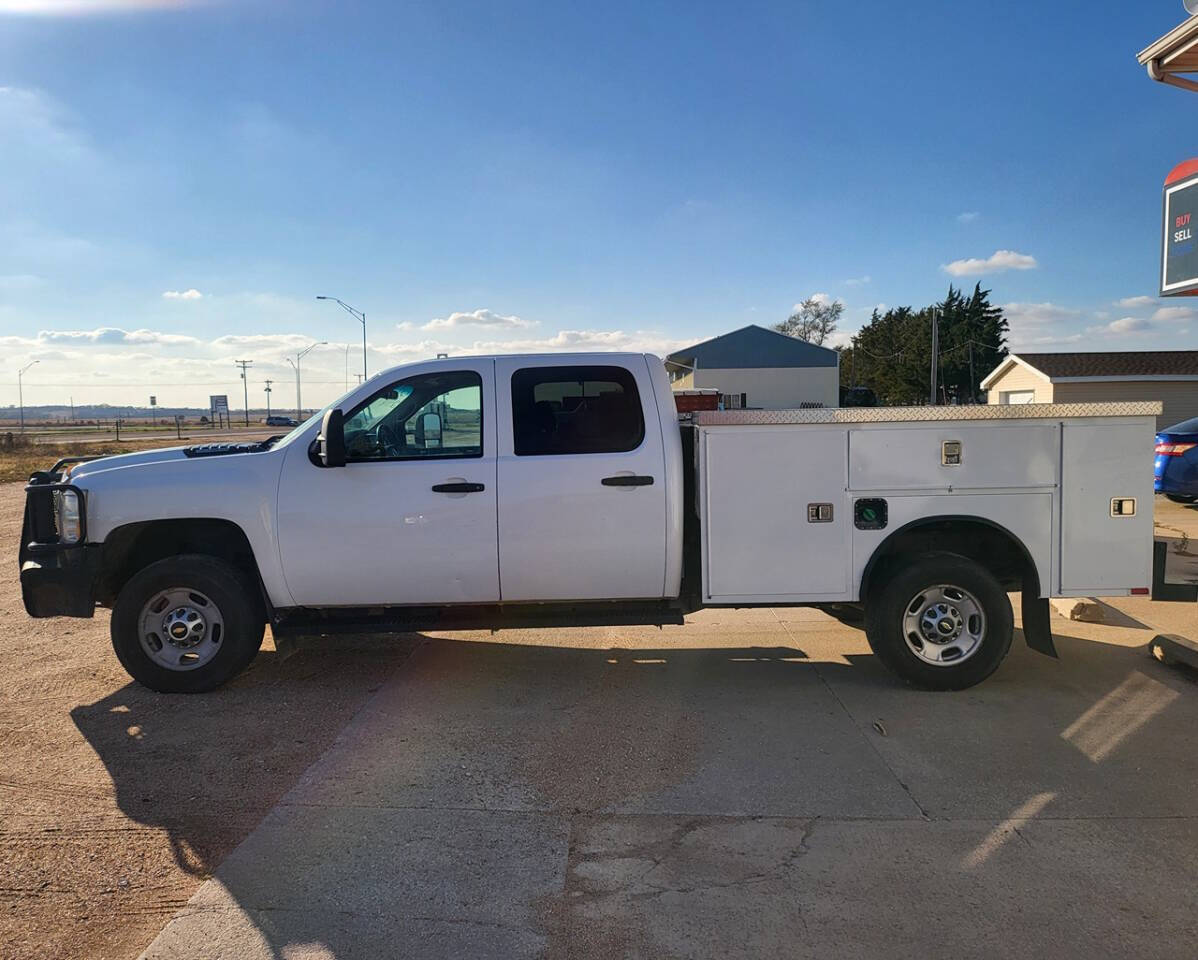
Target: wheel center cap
<point x="941" y="623"/>
<point x="184" y="627"/>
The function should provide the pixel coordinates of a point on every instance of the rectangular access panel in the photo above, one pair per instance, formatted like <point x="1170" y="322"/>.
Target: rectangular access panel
<point x="775" y="517"/>
<point x="985" y="455"/>
<point x="1106" y="505"/>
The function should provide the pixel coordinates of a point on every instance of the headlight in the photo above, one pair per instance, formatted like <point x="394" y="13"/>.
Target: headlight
<point x="66" y="513"/>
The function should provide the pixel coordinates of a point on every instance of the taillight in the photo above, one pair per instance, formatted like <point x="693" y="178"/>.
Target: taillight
<point x="1174" y="449"/>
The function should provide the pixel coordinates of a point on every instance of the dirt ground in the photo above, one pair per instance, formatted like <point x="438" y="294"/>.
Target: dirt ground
<point x="87" y="871"/>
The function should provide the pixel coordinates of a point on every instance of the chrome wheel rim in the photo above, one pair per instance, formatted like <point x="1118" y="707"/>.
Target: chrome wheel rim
<point x="180" y="628"/>
<point x="944" y="625"/>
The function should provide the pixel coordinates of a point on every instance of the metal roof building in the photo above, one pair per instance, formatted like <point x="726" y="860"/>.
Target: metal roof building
<point x="756" y="367"/>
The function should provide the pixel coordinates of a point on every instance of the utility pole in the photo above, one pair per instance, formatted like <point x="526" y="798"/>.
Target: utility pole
<point x="72" y="408"/>
<point x="973" y="394"/>
<point x="935" y="353"/>
<point x="245" y="386"/>
<point x="21" y="390"/>
<point x="267" y="392"/>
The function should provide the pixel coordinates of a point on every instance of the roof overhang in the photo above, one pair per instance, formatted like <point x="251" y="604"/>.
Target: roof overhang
<point x="1174" y="54"/>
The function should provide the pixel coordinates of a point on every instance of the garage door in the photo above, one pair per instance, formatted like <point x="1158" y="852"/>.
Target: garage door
<point x="1019" y="396"/>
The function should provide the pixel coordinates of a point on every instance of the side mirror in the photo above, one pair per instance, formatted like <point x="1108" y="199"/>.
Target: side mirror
<point x="331" y="441"/>
<point x="428" y="430"/>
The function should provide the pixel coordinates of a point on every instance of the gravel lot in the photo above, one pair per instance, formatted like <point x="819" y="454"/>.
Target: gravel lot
<point x="116" y="803"/>
<point x="751" y="784"/>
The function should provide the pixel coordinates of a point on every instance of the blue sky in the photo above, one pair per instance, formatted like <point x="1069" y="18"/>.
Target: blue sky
<point x="178" y="181"/>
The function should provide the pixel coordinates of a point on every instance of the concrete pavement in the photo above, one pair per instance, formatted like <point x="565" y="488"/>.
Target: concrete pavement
<point x="751" y="784"/>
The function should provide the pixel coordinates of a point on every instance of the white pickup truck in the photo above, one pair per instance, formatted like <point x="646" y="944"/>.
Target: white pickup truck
<point x="562" y="490"/>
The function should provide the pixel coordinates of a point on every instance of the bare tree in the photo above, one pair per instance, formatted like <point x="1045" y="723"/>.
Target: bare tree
<point x="813" y="320"/>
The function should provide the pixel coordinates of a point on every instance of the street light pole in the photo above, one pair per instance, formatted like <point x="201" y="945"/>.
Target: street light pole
<point x="299" y="407"/>
<point x="361" y="318"/>
<point x="21" y="390"/>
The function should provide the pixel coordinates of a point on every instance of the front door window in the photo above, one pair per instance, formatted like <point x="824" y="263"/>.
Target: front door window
<point x="434" y="416"/>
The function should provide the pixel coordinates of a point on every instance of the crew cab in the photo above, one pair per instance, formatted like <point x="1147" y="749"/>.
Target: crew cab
<point x="563" y="490"/>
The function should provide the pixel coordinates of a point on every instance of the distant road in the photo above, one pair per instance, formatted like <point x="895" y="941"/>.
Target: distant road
<point x="168" y="438"/>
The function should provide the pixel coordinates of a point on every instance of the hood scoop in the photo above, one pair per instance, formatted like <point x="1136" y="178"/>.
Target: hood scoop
<point x="224" y="449"/>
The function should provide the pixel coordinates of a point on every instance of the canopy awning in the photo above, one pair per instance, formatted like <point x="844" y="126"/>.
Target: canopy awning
<point x="1174" y="54"/>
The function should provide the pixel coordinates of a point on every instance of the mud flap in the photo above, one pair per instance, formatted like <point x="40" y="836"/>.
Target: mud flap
<point x="1036" y="629"/>
<point x="1163" y="589"/>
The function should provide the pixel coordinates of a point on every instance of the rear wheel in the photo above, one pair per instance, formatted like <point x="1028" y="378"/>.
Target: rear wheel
<point x="942" y="622"/>
<point x="1180" y="497"/>
<point x="186" y="624"/>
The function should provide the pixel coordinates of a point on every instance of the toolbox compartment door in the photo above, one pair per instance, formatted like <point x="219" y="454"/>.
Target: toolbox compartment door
<point x="760" y="541"/>
<point x="1100" y="463"/>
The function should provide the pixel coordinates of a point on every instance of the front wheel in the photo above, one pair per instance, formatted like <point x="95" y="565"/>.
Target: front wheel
<point x="1180" y="497"/>
<point x="186" y="624"/>
<point x="942" y="622"/>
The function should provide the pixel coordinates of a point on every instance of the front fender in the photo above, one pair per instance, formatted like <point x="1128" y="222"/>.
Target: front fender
<point x="239" y="488"/>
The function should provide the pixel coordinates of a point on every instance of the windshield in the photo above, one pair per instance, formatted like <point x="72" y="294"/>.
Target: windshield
<point x="315" y="418"/>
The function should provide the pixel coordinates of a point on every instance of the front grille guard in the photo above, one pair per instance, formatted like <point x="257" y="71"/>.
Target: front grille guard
<point x="40" y="533"/>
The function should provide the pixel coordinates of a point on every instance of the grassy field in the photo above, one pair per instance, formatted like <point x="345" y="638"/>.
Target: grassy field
<point x="19" y="462"/>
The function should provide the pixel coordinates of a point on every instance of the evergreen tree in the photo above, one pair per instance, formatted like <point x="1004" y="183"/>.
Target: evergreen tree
<point x="892" y="353"/>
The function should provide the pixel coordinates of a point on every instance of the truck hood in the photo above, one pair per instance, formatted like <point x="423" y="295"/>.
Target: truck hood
<point x="122" y="460"/>
<point x="203" y="452"/>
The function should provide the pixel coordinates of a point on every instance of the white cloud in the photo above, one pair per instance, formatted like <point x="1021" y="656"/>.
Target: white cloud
<point x="968" y="216"/>
<point x="1022" y="343"/>
<point x="73" y="7"/>
<point x="997" y="262"/>
<point x="1132" y="302"/>
<point x="111" y="335"/>
<point x="190" y="294"/>
<point x="1037" y="314"/>
<point x="858" y="281"/>
<point x="476" y="318"/>
<point x="1174" y="314"/>
<point x="822" y="299"/>
<point x="21" y="281"/>
<point x="1125" y="325"/>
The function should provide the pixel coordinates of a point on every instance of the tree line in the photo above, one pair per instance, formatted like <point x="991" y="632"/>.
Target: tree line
<point x="892" y="354"/>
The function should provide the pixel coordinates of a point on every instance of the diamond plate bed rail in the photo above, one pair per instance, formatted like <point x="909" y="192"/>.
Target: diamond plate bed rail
<point x="1018" y="411"/>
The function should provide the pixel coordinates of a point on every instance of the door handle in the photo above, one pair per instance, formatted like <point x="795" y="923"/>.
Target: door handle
<point x="458" y="488"/>
<point x="624" y="480"/>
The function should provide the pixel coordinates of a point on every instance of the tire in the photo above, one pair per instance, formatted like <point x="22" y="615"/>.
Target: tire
<point x="1180" y="497"/>
<point x="216" y="623"/>
<point x="940" y="607"/>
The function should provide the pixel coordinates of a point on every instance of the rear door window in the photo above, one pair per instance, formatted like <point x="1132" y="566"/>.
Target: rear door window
<point x="575" y="409"/>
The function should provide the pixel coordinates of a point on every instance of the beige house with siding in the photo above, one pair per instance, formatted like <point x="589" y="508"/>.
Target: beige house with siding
<point x="1170" y="376"/>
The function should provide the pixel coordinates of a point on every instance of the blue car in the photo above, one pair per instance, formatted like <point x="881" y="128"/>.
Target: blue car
<point x="1176" y="468"/>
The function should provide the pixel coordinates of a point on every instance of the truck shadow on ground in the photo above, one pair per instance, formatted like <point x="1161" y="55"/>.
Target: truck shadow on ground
<point x="573" y="736"/>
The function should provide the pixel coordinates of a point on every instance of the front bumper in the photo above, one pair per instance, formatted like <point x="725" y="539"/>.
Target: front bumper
<point x="61" y="583"/>
<point x="57" y="579"/>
